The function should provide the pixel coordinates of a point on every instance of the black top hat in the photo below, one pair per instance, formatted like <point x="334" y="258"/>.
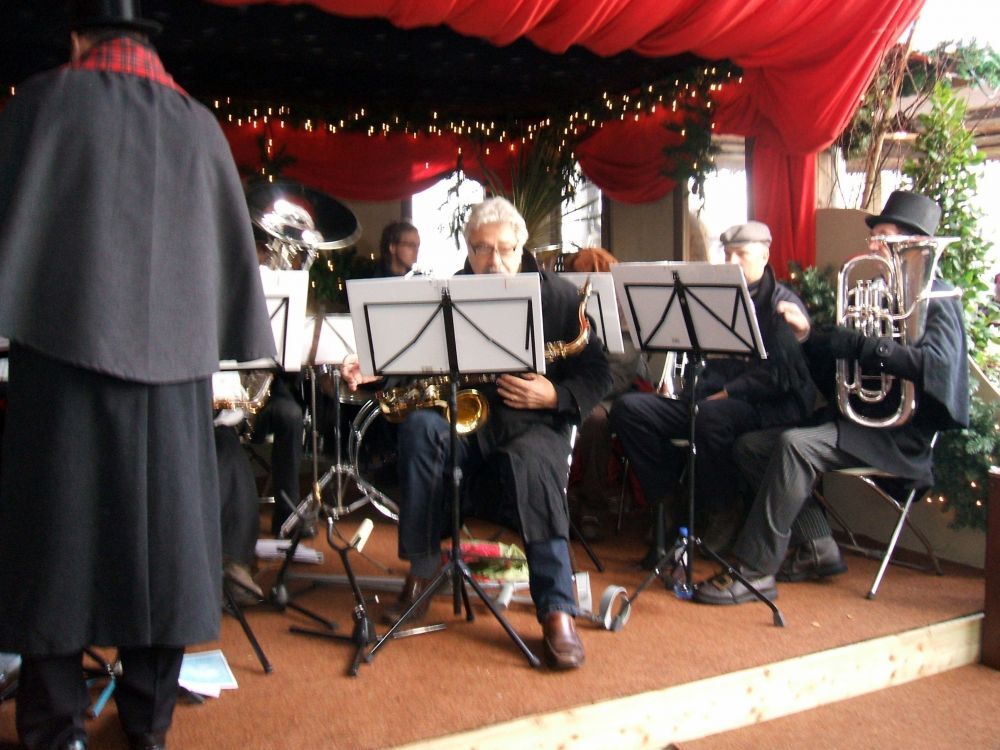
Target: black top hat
<point x="909" y="211"/>
<point x="120" y="14"/>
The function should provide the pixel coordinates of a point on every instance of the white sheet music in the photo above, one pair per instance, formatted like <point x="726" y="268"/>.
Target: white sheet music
<point x="399" y="324"/>
<point x="719" y="303"/>
<point x="327" y="339"/>
<point x="285" y="294"/>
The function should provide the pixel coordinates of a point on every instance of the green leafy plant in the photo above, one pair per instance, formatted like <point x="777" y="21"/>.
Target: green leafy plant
<point x="962" y="460"/>
<point x="946" y="169"/>
<point x="327" y="277"/>
<point x="899" y="91"/>
<point x="816" y="288"/>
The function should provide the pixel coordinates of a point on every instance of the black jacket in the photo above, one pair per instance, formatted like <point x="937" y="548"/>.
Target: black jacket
<point x="938" y="364"/>
<point x="778" y="387"/>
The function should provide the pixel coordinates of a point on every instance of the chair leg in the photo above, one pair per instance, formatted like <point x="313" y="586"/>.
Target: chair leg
<point x="853" y="543"/>
<point x="621" y="498"/>
<point x="891" y="547"/>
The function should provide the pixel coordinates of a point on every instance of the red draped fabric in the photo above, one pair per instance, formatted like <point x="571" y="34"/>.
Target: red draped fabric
<point x="806" y="64"/>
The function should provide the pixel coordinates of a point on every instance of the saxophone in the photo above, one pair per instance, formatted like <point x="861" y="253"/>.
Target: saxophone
<point x="472" y="406"/>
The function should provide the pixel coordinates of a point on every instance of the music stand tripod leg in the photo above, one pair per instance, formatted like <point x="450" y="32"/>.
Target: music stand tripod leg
<point x="237" y="611"/>
<point x="456" y="567"/>
<point x="363" y="633"/>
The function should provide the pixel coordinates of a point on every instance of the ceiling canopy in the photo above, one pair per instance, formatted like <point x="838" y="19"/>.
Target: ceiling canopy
<point x="325" y="66"/>
<point x="405" y="64"/>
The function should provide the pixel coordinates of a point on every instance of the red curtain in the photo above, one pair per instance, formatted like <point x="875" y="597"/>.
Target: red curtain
<point x="805" y="66"/>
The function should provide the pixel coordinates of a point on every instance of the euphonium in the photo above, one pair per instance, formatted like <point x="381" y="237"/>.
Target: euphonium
<point x="891" y="305"/>
<point x="472" y="406"/>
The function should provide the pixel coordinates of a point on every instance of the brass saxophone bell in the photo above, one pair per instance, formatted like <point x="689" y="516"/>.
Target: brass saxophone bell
<point x="473" y="411"/>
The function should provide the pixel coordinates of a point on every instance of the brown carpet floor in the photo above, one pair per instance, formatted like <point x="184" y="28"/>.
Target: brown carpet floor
<point x="471" y="675"/>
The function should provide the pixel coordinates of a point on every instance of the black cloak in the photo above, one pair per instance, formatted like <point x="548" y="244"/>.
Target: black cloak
<point x="127" y="271"/>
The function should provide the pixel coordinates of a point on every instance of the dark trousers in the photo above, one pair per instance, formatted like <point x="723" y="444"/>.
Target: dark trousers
<point x="282" y="417"/>
<point x="592" y="454"/>
<point x="238" y="502"/>
<point x="425" y="508"/>
<point x="645" y="423"/>
<point x="784" y="510"/>
<point x="52" y="697"/>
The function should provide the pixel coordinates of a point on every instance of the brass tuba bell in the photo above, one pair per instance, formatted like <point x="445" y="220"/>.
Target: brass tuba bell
<point x="890" y="304"/>
<point x="299" y="222"/>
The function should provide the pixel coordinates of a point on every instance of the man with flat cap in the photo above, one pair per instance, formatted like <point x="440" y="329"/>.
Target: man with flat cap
<point x="735" y="395"/>
<point x="127" y="271"/>
<point x="786" y="534"/>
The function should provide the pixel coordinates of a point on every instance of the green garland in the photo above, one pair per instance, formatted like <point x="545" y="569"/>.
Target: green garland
<point x="962" y="460"/>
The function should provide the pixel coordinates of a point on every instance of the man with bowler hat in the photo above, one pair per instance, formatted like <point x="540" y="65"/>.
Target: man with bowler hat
<point x="786" y="535"/>
<point x="127" y="271"/>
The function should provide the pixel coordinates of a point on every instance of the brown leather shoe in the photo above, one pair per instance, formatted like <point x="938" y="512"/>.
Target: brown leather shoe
<point x="413" y="587"/>
<point x="563" y="649"/>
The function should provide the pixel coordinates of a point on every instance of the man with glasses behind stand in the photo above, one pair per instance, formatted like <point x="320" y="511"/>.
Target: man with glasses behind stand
<point x="515" y="467"/>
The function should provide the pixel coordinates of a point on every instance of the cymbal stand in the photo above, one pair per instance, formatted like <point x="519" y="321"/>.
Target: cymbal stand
<point x="342" y="472"/>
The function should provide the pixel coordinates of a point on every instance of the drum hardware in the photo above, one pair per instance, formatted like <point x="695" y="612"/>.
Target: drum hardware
<point x="343" y="472"/>
<point x="364" y="632"/>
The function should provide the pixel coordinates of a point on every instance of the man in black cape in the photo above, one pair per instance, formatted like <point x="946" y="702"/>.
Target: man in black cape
<point x="127" y="271"/>
<point x="515" y="468"/>
<point x="786" y="534"/>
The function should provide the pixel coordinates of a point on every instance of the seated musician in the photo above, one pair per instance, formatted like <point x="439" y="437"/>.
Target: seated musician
<point x="589" y="484"/>
<point x="735" y="395"/>
<point x="239" y="510"/>
<point x="786" y="532"/>
<point x="398" y="248"/>
<point x="514" y="468"/>
<point x="282" y="418"/>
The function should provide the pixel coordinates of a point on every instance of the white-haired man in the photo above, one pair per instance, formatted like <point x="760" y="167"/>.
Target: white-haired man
<point x="514" y="470"/>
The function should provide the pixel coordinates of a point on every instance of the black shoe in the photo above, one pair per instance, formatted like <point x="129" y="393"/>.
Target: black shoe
<point x="817" y="558"/>
<point x="147" y="741"/>
<point x="722" y="588"/>
<point x="413" y="587"/>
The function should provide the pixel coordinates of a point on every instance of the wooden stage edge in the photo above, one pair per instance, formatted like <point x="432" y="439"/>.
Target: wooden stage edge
<point x="726" y="702"/>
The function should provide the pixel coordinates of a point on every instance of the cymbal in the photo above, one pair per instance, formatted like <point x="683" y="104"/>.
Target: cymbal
<point x="299" y="215"/>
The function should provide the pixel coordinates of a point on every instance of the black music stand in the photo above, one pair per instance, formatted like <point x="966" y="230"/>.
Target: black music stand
<point x="700" y="309"/>
<point x="482" y="307"/>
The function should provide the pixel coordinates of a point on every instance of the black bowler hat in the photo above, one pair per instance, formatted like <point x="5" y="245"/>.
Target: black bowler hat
<point x="910" y="211"/>
<point x="119" y="14"/>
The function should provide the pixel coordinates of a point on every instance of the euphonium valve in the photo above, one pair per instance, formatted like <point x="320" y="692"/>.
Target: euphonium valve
<point x="890" y="304"/>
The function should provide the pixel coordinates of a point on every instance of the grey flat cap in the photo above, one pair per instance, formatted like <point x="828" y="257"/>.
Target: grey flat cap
<point x="752" y="231"/>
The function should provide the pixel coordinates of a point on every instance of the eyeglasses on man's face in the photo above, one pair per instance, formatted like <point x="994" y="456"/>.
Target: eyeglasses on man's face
<point x="481" y="249"/>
